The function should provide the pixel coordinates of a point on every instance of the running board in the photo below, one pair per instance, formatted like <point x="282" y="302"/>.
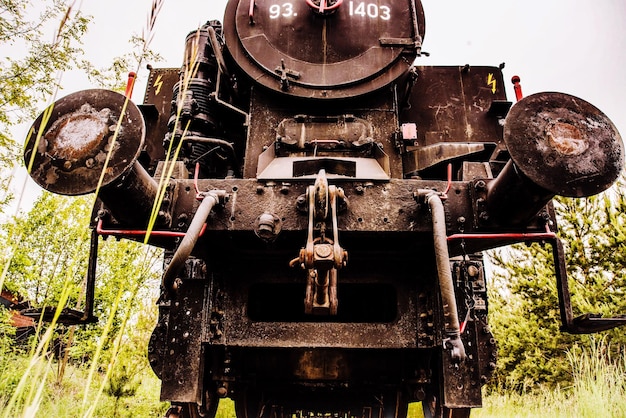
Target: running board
<point x="66" y="317"/>
<point x="583" y="324"/>
<point x="590" y="323"/>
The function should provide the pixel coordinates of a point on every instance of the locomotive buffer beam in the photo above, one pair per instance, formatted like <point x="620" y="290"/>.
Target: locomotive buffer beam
<point x="322" y="256"/>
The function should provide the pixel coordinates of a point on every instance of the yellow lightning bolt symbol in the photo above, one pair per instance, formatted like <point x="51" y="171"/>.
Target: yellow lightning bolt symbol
<point x="158" y="84"/>
<point x="492" y="82"/>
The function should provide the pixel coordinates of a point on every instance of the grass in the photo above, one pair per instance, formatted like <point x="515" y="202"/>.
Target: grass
<point x="598" y="392"/>
<point x="64" y="400"/>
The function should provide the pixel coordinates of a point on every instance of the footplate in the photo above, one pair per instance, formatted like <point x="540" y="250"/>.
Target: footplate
<point x="583" y="324"/>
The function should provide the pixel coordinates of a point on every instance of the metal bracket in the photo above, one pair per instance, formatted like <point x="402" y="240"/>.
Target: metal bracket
<point x="285" y="73"/>
<point x="583" y="324"/>
<point x="72" y="316"/>
<point x="322" y="256"/>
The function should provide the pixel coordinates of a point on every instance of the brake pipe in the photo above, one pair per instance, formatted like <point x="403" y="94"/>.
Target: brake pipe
<point x="524" y="236"/>
<point x="452" y="340"/>
<point x="139" y="232"/>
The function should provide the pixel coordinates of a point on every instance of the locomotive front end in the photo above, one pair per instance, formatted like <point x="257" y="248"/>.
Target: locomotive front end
<point x="323" y="204"/>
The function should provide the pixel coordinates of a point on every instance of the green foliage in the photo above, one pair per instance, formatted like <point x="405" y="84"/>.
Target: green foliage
<point x="7" y="349"/>
<point x="599" y="378"/>
<point x="48" y="244"/>
<point x="62" y="400"/>
<point x="49" y="264"/>
<point x="598" y="388"/>
<point x="523" y="297"/>
<point x="45" y="255"/>
<point x="33" y="76"/>
<point x="525" y="320"/>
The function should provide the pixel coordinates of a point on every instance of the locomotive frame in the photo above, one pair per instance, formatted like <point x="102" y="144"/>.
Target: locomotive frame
<point x="323" y="203"/>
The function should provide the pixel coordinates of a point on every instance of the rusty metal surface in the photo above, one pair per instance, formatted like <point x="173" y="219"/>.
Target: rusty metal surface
<point x="175" y="350"/>
<point x="350" y="52"/>
<point x="267" y="122"/>
<point x="157" y="105"/>
<point x="564" y="144"/>
<point x="75" y="141"/>
<point x="449" y="104"/>
<point x="396" y="327"/>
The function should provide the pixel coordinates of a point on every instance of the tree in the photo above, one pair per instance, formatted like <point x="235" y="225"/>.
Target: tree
<point x="524" y="303"/>
<point x="50" y="263"/>
<point x="32" y="78"/>
<point x="46" y="253"/>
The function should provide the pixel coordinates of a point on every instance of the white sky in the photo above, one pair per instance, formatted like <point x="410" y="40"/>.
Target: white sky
<point x="573" y="46"/>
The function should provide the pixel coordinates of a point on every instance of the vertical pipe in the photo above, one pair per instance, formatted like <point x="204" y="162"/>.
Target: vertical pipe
<point x="446" y="284"/>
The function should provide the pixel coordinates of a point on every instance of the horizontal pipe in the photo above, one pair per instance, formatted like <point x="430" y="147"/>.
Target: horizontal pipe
<point x="533" y="236"/>
<point x="139" y="232"/>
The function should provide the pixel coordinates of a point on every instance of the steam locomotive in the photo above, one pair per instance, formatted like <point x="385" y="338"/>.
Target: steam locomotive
<point x="323" y="204"/>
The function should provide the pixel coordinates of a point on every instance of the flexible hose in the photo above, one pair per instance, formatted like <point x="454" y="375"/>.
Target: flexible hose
<point x="446" y="285"/>
<point x="191" y="237"/>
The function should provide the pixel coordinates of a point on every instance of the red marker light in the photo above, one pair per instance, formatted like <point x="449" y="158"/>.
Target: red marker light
<point x="130" y="84"/>
<point x="517" y="87"/>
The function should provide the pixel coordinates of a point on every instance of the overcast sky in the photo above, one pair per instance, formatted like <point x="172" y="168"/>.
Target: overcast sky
<point x="573" y="46"/>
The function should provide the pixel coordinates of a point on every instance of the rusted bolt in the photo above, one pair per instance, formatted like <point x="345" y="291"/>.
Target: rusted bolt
<point x="260" y="189"/>
<point x="419" y="394"/>
<point x="301" y="203"/>
<point x="480" y="185"/>
<point x="267" y="227"/>
<point x="472" y="271"/>
<point x="182" y="220"/>
<point x="163" y="217"/>
<point x="323" y="251"/>
<point x="359" y="190"/>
